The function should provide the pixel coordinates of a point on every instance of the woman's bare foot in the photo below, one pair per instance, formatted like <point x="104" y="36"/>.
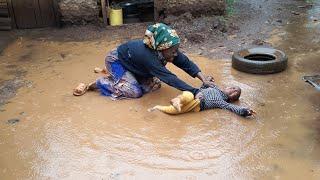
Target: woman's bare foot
<point x="99" y="70"/>
<point x="92" y="86"/>
<point x="80" y="89"/>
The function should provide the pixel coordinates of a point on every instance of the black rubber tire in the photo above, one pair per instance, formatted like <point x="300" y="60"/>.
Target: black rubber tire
<point x="278" y="64"/>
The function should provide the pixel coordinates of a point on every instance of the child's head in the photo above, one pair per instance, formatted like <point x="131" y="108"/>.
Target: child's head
<point x="233" y="93"/>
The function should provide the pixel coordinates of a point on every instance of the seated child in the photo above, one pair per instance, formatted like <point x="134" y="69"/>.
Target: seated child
<point x="208" y="98"/>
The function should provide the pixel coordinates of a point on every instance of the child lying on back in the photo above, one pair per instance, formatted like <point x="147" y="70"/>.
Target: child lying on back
<point x="208" y="98"/>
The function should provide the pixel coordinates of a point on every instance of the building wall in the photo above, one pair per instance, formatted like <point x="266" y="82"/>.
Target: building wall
<point x="195" y="7"/>
<point x="78" y="11"/>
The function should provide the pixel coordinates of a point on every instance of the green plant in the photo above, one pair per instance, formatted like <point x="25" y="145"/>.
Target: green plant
<point x="230" y="7"/>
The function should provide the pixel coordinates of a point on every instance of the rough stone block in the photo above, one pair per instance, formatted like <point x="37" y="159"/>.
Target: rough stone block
<point x="79" y="11"/>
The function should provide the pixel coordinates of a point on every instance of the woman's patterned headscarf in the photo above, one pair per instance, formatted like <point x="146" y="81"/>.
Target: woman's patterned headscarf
<point x="160" y="36"/>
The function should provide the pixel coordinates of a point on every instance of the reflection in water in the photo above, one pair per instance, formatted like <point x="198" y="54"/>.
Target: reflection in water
<point x="91" y="137"/>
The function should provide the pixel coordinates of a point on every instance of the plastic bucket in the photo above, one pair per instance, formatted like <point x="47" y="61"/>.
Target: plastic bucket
<point x="115" y="17"/>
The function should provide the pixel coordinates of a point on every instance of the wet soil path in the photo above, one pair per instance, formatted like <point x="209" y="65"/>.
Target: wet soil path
<point x="52" y="134"/>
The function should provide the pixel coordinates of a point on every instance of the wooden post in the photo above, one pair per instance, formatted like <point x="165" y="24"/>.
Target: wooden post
<point x="104" y="12"/>
<point x="12" y="16"/>
<point x="56" y="13"/>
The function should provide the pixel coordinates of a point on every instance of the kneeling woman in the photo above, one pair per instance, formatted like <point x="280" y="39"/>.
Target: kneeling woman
<point x="138" y="66"/>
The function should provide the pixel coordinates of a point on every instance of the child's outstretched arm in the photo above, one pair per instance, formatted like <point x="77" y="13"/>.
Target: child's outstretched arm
<point x="242" y="111"/>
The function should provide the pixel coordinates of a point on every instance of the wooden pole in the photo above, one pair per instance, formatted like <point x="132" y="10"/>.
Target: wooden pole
<point x="104" y="12"/>
<point x="57" y="14"/>
<point x="11" y="12"/>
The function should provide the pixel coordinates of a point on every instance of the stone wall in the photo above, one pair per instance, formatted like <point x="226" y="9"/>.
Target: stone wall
<point x="78" y="11"/>
<point x="195" y="7"/>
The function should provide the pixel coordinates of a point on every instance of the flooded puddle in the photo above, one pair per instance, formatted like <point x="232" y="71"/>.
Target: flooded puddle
<point x="60" y="136"/>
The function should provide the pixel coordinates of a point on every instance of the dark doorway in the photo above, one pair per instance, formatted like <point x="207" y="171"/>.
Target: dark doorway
<point x="135" y="11"/>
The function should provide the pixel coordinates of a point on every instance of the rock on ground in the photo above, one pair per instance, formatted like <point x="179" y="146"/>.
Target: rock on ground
<point x="79" y="11"/>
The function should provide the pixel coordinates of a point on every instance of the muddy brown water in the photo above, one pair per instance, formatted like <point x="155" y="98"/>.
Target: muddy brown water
<point x="60" y="136"/>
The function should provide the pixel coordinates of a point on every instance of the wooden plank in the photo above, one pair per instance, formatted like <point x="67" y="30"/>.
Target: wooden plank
<point x="5" y="28"/>
<point x="4" y="20"/>
<point x="37" y="13"/>
<point x="57" y="15"/>
<point x="5" y="24"/>
<point x="24" y="13"/>
<point x="104" y="12"/>
<point x="4" y="12"/>
<point x="3" y="6"/>
<point x="47" y="12"/>
<point x="11" y="14"/>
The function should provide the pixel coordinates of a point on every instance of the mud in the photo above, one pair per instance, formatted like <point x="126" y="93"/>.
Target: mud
<point x="59" y="136"/>
<point x="248" y="23"/>
<point x="195" y="7"/>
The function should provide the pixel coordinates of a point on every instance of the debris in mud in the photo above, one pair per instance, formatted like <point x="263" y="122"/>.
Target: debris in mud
<point x="8" y="89"/>
<point x="197" y="155"/>
<point x="313" y="80"/>
<point x="213" y="50"/>
<point x="114" y="175"/>
<point x="29" y="84"/>
<point x="232" y="36"/>
<point x="305" y="6"/>
<point x="63" y="55"/>
<point x="13" y="121"/>
<point x="199" y="29"/>
<point x="133" y="109"/>
<point x="11" y="66"/>
<point x="295" y="13"/>
<point x="276" y="167"/>
<point x="262" y="104"/>
<point x="200" y="52"/>
<point x="258" y="42"/>
<point x="26" y="57"/>
<point x="195" y="37"/>
<point x="184" y="17"/>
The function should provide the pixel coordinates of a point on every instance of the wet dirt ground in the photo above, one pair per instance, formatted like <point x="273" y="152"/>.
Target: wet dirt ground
<point x="54" y="135"/>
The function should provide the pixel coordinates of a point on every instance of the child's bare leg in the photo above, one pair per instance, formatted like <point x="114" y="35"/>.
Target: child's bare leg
<point x="166" y="109"/>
